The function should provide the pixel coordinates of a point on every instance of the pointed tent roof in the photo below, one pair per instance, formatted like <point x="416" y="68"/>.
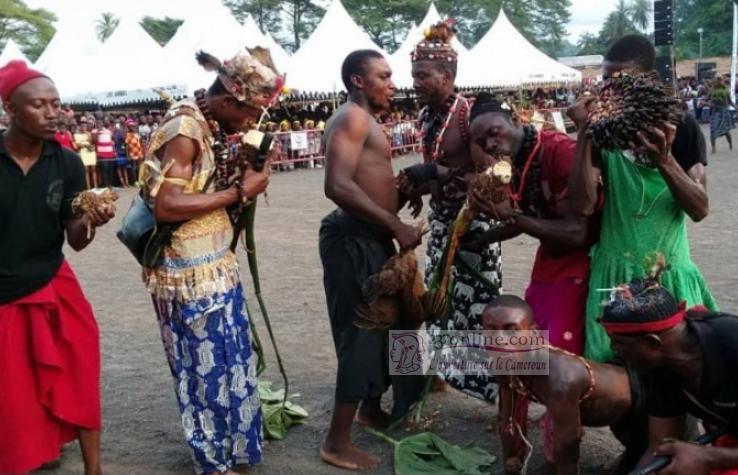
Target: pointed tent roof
<point x="74" y="43"/>
<point x="217" y="33"/>
<point x="316" y="67"/>
<point x="279" y="55"/>
<point x="504" y="58"/>
<point x="12" y="52"/>
<point x="109" y="70"/>
<point x="400" y="59"/>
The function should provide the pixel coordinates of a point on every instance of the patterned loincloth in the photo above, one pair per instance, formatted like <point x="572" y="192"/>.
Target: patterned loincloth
<point x="476" y="280"/>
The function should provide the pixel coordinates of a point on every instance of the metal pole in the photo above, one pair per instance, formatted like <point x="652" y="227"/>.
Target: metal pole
<point x="700" y="30"/>
<point x="735" y="51"/>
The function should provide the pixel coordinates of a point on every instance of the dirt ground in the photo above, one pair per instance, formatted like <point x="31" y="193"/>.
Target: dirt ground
<point x="142" y="433"/>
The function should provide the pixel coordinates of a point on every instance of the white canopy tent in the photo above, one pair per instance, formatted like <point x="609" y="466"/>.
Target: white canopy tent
<point x="279" y="55"/>
<point x="504" y="58"/>
<point x="316" y="67"/>
<point x="400" y="59"/>
<point x="129" y="59"/>
<point x="217" y="33"/>
<point x="12" y="52"/>
<point x="67" y="56"/>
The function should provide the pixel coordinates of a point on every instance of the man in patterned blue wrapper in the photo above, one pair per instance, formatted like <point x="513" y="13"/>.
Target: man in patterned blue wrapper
<point x="195" y="285"/>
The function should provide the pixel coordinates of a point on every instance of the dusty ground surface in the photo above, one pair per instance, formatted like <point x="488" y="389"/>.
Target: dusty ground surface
<point x="142" y="433"/>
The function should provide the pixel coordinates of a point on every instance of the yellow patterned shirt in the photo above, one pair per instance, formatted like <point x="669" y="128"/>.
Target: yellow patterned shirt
<point x="197" y="263"/>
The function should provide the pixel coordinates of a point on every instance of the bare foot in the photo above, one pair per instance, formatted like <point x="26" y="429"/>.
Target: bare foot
<point x="349" y="457"/>
<point x="372" y="416"/>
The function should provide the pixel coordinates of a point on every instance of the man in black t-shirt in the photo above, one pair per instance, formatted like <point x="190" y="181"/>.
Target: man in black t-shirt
<point x="49" y="343"/>
<point x="689" y="359"/>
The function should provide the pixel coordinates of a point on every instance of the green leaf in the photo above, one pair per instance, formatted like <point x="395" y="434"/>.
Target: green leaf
<point x="426" y="453"/>
<point x="278" y="415"/>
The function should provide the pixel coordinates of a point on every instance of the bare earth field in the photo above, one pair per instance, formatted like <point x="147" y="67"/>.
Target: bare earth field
<point x="142" y="433"/>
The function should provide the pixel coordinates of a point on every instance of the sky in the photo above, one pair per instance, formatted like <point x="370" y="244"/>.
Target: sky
<point x="587" y="15"/>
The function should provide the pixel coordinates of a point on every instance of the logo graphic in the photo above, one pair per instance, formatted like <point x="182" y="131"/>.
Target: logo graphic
<point x="54" y="195"/>
<point x="406" y="352"/>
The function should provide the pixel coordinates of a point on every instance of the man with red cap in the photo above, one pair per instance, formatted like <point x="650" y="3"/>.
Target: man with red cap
<point x="49" y="342"/>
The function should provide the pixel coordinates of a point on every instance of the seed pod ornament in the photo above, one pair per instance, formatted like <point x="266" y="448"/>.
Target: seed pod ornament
<point x="628" y="104"/>
<point x="103" y="200"/>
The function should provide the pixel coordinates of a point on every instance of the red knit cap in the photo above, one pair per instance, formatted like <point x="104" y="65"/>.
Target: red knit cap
<point x="13" y="75"/>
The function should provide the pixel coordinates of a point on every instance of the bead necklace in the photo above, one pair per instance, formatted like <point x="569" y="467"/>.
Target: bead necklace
<point x="439" y="135"/>
<point x="227" y="172"/>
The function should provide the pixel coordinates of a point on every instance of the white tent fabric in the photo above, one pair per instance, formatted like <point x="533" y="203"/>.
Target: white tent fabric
<point x="67" y="56"/>
<point x="12" y="52"/>
<point x="504" y="58"/>
<point x="129" y="59"/>
<point x="217" y="33"/>
<point x="316" y="67"/>
<point x="400" y="59"/>
<point x="279" y="55"/>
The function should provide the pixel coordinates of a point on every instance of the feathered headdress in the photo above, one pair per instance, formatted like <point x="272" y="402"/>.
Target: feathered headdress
<point x="250" y="76"/>
<point x="436" y="44"/>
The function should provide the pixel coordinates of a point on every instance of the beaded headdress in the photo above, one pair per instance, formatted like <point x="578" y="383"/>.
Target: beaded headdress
<point x="436" y="44"/>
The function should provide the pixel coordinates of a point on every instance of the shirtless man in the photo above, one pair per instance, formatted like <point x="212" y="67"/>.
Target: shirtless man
<point x="450" y="157"/>
<point x="355" y="241"/>
<point x="582" y="393"/>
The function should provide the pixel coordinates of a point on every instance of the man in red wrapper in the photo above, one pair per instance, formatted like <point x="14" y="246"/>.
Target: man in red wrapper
<point x="49" y="343"/>
<point x="541" y="162"/>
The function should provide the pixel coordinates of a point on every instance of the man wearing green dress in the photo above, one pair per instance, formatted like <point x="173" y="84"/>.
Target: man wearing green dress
<point x="648" y="192"/>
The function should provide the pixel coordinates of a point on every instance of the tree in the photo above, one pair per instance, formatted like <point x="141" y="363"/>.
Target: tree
<point x="161" y="29"/>
<point x="711" y="15"/>
<point x="266" y="13"/>
<point x="550" y="20"/>
<point x="387" y="21"/>
<point x="303" y="16"/>
<point x="106" y="25"/>
<point x="640" y="13"/>
<point x="31" y="28"/>
<point x="589" y="43"/>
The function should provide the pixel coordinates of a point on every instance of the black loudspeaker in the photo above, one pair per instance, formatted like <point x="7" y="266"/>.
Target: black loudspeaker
<point x="665" y="68"/>
<point x="663" y="22"/>
<point x="705" y="71"/>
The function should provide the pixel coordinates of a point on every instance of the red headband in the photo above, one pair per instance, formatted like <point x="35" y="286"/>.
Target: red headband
<point x="646" y="327"/>
<point x="13" y="75"/>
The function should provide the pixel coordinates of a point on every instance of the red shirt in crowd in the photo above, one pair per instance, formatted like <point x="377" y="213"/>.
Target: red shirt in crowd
<point x="65" y="139"/>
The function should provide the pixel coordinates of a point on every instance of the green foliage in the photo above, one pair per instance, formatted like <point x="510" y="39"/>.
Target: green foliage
<point x="640" y="13"/>
<point x="304" y="16"/>
<point x="387" y="21"/>
<point x="714" y="16"/>
<point x="31" y="28"/>
<point x="627" y="17"/>
<point x="266" y="13"/>
<point x="428" y="454"/>
<point x="161" y="29"/>
<point x="106" y="25"/>
<point x="589" y="43"/>
<point x="278" y="413"/>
